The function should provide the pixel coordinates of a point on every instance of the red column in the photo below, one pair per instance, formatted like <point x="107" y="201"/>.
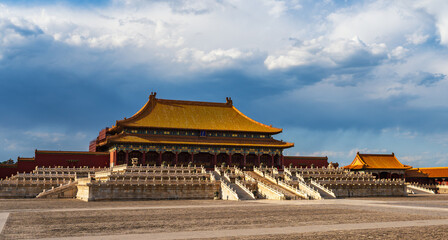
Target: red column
<point x="282" y="159"/>
<point x="230" y="159"/>
<point x="177" y="157"/>
<point x="215" y="159"/>
<point x="258" y="159"/>
<point x="127" y="157"/>
<point x="192" y="158"/>
<point x="244" y="159"/>
<point x="113" y="158"/>
<point x="272" y="160"/>
<point x="160" y="158"/>
<point x="144" y="157"/>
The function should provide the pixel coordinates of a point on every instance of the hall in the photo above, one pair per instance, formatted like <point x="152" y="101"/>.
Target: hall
<point x="175" y="132"/>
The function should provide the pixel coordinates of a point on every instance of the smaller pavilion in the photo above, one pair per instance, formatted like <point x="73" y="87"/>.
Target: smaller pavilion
<point x="380" y="165"/>
<point x="431" y="175"/>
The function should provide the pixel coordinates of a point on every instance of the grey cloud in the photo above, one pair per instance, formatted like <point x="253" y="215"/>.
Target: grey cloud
<point x="429" y="79"/>
<point x="25" y="29"/>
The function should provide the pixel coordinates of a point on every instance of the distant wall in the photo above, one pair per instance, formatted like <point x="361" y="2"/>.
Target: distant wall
<point x="302" y="161"/>
<point x="55" y="159"/>
<point x="72" y="159"/>
<point x="6" y="170"/>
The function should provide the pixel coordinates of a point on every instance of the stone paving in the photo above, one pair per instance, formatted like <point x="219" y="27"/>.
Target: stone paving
<point x="380" y="218"/>
<point x="268" y="231"/>
<point x="3" y="219"/>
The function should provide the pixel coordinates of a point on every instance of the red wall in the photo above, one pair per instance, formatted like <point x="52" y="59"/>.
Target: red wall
<point x="305" y="161"/>
<point x="71" y="159"/>
<point x="6" y="170"/>
<point x="57" y="158"/>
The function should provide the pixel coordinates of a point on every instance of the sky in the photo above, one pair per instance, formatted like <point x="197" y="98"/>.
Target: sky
<point x="339" y="77"/>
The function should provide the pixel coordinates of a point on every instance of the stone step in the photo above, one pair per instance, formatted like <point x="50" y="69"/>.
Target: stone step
<point x="324" y="194"/>
<point x="419" y="190"/>
<point x="64" y="191"/>
<point x="288" y="194"/>
<point x="242" y="195"/>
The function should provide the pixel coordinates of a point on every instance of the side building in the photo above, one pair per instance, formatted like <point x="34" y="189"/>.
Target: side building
<point x="383" y="166"/>
<point x="175" y="132"/>
<point x="428" y="175"/>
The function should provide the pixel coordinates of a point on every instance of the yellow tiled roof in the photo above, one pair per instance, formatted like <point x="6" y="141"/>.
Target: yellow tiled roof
<point x="415" y="173"/>
<point x="435" y="172"/>
<point x="376" y="161"/>
<point x="174" y="114"/>
<point x="199" y="141"/>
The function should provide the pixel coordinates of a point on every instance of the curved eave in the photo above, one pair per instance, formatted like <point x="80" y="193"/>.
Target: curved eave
<point x="146" y="107"/>
<point x="272" y="130"/>
<point x="116" y="129"/>
<point x="135" y="139"/>
<point x="287" y="145"/>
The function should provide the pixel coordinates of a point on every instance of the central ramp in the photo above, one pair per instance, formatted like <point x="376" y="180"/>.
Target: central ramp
<point x="289" y="195"/>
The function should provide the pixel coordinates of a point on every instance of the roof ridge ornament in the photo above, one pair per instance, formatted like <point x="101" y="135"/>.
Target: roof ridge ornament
<point x="229" y="101"/>
<point x="152" y="96"/>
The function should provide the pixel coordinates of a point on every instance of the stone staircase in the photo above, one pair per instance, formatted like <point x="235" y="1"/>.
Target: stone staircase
<point x="68" y="190"/>
<point x="242" y="194"/>
<point x="289" y="195"/>
<point x="414" y="189"/>
<point x="323" y="191"/>
<point x="215" y="176"/>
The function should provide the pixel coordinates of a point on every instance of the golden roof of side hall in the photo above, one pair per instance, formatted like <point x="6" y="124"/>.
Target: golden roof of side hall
<point x="190" y="140"/>
<point x="434" y="172"/>
<point x="376" y="161"/>
<point x="191" y="115"/>
<point x="415" y="173"/>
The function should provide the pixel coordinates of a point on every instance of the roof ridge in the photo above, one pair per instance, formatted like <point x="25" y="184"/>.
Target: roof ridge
<point x="433" y="168"/>
<point x="199" y="103"/>
<point x="377" y="154"/>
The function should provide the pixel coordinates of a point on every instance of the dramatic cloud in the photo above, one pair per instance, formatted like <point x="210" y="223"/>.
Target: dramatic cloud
<point x="338" y="76"/>
<point x="331" y="54"/>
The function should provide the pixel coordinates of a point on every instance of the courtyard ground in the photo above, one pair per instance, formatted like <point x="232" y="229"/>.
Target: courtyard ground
<point x="415" y="217"/>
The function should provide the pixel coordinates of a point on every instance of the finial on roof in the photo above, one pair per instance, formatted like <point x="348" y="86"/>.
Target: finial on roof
<point x="229" y="101"/>
<point x="393" y="154"/>
<point x="152" y="96"/>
